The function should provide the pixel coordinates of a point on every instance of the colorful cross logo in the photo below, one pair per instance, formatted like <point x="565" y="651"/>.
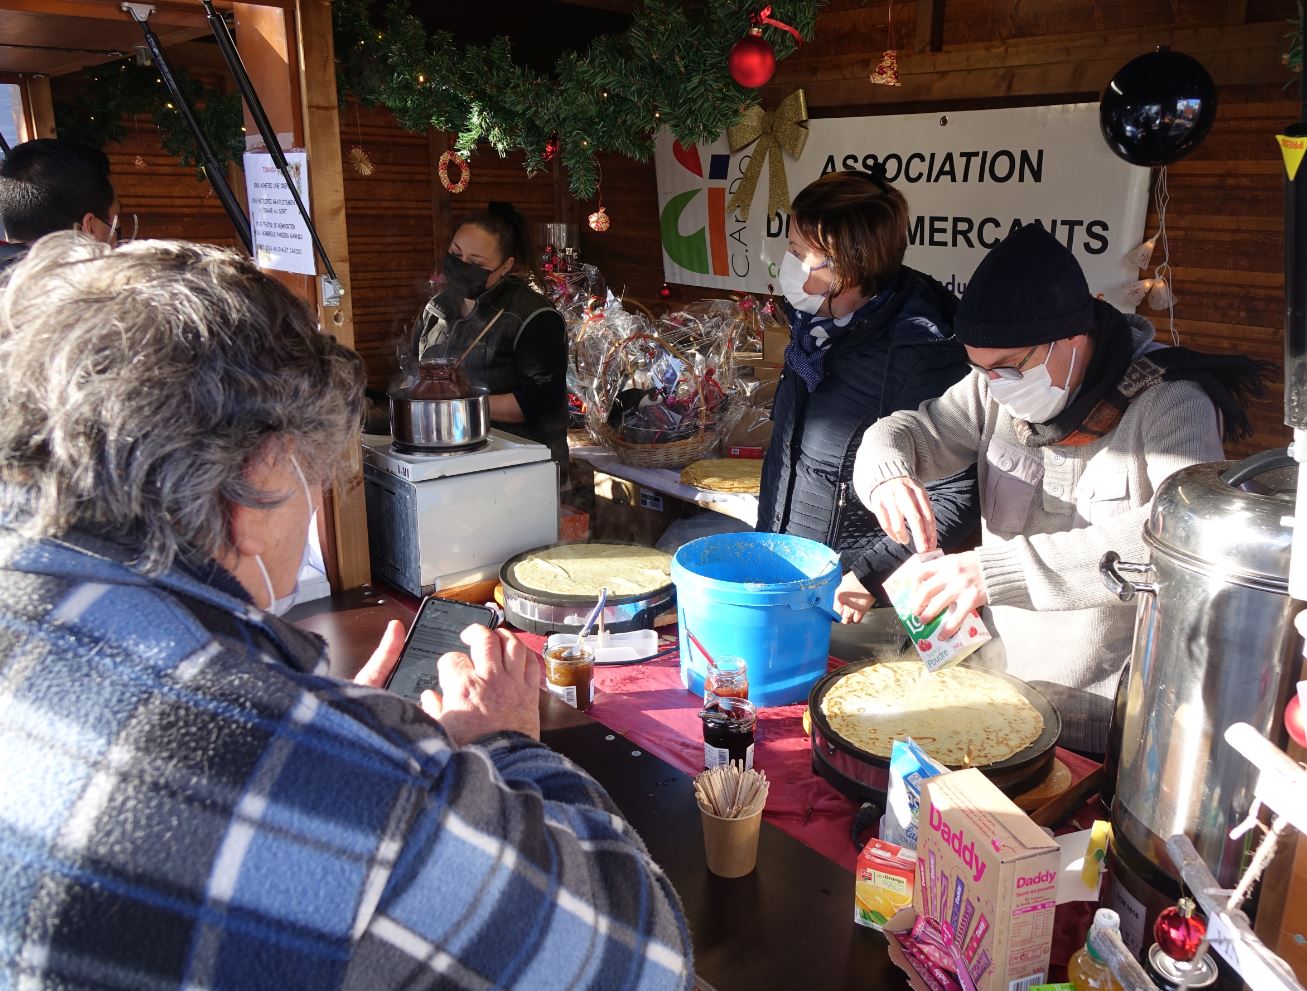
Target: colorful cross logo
<point x="703" y="251"/>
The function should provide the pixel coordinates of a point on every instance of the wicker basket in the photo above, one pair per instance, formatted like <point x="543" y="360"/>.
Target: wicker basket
<point x="668" y="454"/>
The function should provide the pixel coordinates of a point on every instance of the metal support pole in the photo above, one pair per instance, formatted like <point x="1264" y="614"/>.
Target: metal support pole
<point x="227" y="45"/>
<point x="213" y="169"/>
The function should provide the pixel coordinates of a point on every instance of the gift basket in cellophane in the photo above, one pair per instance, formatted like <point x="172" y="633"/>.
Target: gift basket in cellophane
<point x="663" y="393"/>
<point x="580" y="295"/>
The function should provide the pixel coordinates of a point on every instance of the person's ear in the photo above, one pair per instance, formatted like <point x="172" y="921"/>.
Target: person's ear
<point x="87" y="225"/>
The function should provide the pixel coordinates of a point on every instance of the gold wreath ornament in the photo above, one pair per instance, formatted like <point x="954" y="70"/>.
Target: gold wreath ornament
<point x="465" y="171"/>
<point x="783" y="131"/>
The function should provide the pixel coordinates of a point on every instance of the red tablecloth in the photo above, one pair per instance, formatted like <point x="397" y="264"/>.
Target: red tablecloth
<point x="648" y="705"/>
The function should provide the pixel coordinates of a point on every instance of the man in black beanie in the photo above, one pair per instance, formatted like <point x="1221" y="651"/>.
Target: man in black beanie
<point x="1074" y="416"/>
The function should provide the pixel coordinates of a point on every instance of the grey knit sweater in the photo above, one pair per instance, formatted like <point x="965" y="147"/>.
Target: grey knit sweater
<point x="1047" y="517"/>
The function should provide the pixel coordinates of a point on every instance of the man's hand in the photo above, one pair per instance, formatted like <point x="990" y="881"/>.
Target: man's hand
<point x="903" y="509"/>
<point x="495" y="689"/>
<point x="376" y="672"/>
<point x="952" y="582"/>
<point x="852" y="600"/>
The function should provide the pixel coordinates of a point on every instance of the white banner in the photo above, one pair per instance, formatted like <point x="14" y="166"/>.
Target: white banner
<point x="970" y="178"/>
<point x="281" y="238"/>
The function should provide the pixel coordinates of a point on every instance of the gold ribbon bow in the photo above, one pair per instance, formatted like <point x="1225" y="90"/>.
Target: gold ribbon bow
<point x="784" y="129"/>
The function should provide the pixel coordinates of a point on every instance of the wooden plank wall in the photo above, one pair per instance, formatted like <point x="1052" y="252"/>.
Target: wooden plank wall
<point x="171" y="200"/>
<point x="1226" y="199"/>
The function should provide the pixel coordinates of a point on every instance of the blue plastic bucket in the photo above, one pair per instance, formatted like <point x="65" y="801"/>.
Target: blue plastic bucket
<point x="766" y="597"/>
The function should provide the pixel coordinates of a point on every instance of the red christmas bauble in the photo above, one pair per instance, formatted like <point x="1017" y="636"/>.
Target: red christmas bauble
<point x="548" y="266"/>
<point x="1179" y="932"/>
<point x="665" y="291"/>
<point x="1295" y="722"/>
<point x="752" y="61"/>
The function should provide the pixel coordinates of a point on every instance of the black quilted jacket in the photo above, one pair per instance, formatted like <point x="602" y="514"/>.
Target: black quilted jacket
<point x="896" y="357"/>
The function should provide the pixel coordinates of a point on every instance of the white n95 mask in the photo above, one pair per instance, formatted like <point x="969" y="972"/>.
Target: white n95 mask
<point x="1033" y="397"/>
<point x="794" y="273"/>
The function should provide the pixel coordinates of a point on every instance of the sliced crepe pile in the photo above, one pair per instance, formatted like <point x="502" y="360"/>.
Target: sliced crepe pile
<point x="960" y="716"/>
<point x="742" y="475"/>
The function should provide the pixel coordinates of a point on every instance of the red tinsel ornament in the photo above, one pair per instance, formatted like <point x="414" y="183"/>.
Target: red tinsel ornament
<point x="886" y="72"/>
<point x="551" y="147"/>
<point x="1179" y="932"/>
<point x="665" y="291"/>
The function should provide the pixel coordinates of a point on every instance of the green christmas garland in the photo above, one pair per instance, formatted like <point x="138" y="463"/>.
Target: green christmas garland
<point x="668" y="69"/>
<point x="119" y="90"/>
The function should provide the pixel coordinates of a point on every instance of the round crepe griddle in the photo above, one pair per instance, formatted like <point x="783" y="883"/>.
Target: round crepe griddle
<point x="544" y="612"/>
<point x="864" y="775"/>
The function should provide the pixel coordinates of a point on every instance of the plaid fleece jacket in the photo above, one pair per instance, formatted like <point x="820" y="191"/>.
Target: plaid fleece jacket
<point x="188" y="800"/>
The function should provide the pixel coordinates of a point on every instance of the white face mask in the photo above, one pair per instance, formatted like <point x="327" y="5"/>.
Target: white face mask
<point x="1033" y="397"/>
<point x="794" y="274"/>
<point x="276" y="606"/>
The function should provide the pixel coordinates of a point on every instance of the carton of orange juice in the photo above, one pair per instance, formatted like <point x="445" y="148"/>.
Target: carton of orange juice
<point x="936" y="652"/>
<point x="883" y="882"/>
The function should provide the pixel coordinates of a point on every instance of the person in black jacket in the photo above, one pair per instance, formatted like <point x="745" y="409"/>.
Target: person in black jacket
<point x="869" y="336"/>
<point x="517" y="340"/>
<point x="47" y="185"/>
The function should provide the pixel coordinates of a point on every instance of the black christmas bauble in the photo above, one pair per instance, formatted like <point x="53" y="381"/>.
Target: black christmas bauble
<point x="1157" y="108"/>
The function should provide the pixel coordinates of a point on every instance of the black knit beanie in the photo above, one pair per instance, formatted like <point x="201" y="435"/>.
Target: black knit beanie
<point x="1028" y="290"/>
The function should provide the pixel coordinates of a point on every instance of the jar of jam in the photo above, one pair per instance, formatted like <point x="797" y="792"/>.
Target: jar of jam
<point x="728" y="679"/>
<point x="569" y="674"/>
<point x="729" y="726"/>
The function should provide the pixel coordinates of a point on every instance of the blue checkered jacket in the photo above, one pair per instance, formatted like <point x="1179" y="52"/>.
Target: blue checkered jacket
<point x="187" y="799"/>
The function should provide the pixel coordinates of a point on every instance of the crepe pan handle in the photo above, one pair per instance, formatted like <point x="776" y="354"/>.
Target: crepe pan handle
<point x="1110" y="568"/>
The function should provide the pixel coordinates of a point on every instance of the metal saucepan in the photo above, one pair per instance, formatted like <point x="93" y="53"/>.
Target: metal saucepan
<point x="440" y="424"/>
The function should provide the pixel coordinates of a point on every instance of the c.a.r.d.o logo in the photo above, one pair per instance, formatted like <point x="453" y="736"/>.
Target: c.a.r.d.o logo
<point x="703" y="251"/>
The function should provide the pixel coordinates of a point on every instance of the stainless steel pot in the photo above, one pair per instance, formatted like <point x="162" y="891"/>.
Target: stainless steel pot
<point x="440" y="424"/>
<point x="1214" y="644"/>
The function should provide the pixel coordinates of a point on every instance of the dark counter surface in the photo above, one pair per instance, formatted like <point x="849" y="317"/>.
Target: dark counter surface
<point x="789" y="924"/>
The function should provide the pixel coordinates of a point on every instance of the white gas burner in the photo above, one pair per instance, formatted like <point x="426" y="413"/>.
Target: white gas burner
<point x="501" y="450"/>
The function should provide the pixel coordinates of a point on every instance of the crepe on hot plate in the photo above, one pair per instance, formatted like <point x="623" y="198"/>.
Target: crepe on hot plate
<point x="959" y="715"/>
<point x="584" y="569"/>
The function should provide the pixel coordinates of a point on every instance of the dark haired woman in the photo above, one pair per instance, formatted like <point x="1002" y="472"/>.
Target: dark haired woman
<point x="868" y="336"/>
<point x="518" y="342"/>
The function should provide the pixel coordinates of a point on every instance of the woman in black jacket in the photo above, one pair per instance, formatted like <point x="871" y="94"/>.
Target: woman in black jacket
<point x="868" y="336"/>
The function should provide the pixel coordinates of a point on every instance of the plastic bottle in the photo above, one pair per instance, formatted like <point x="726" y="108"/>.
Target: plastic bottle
<point x="1086" y="970"/>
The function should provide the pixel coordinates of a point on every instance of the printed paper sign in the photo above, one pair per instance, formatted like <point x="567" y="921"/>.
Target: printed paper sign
<point x="970" y="178"/>
<point x="281" y="238"/>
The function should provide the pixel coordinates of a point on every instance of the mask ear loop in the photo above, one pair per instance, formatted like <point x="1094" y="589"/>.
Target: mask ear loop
<point x="258" y="558"/>
<point x="267" y="581"/>
<point x="1070" y="371"/>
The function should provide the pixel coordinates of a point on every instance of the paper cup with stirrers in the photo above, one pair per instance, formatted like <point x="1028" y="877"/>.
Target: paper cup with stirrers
<point x="731" y="800"/>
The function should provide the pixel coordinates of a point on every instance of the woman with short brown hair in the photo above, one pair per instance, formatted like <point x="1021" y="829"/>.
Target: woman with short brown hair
<point x="868" y="336"/>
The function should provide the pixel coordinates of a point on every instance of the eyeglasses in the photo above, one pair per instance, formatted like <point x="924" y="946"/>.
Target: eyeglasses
<point x="1009" y="372"/>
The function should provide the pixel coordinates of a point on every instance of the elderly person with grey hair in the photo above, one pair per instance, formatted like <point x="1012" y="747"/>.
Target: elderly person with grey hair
<point x="189" y="799"/>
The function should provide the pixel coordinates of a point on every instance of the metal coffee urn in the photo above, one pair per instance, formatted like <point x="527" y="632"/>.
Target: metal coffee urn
<point x="1214" y="644"/>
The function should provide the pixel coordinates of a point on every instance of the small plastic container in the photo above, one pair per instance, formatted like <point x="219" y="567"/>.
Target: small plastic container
<point x="569" y="675"/>
<point x="729" y="730"/>
<point x="729" y="679"/>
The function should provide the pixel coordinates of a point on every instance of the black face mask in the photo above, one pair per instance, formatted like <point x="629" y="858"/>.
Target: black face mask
<point x="465" y="278"/>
